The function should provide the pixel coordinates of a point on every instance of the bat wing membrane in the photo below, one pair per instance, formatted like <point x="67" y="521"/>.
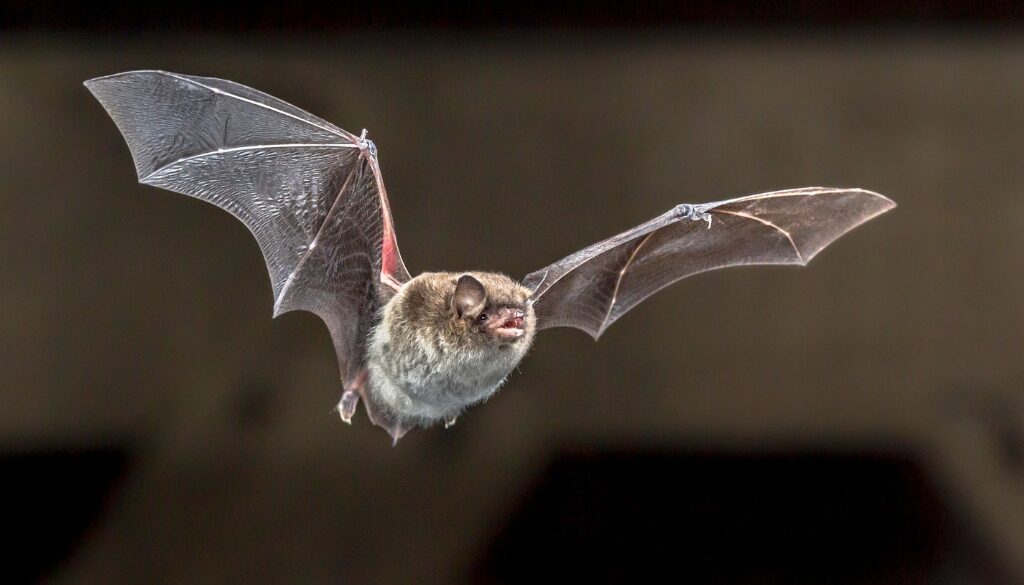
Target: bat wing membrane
<point x="592" y="288"/>
<point x="310" y="192"/>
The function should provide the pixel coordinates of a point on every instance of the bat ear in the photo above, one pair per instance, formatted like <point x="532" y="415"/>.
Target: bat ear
<point x="469" y="298"/>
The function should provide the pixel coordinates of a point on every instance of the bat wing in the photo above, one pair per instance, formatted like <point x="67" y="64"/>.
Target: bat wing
<point x="310" y="192"/>
<point x="592" y="288"/>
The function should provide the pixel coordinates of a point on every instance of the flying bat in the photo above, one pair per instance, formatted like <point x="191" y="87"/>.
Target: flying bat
<point x="417" y="351"/>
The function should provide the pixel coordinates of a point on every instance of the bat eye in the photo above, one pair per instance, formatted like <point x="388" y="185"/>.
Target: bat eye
<point x="483" y="317"/>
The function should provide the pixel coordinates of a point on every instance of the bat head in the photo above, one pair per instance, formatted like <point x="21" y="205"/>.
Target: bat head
<point x="492" y="307"/>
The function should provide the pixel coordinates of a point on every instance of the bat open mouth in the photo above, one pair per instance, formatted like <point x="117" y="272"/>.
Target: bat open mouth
<point x="513" y="323"/>
<point x="513" y="326"/>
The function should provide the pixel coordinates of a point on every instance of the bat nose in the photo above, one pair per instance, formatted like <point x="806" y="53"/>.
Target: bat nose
<point x="517" y="314"/>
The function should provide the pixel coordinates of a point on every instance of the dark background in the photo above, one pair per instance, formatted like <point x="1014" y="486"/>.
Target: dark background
<point x="857" y="421"/>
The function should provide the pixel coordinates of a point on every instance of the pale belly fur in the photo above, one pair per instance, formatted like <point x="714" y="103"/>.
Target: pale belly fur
<point x="421" y="378"/>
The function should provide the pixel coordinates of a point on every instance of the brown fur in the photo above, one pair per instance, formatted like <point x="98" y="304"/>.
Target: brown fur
<point x="427" y="364"/>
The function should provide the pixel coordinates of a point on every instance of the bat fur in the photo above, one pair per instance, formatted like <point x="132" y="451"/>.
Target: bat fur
<point x="429" y="358"/>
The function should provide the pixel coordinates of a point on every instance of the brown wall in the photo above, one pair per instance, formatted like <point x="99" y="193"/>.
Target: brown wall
<point x="132" y="315"/>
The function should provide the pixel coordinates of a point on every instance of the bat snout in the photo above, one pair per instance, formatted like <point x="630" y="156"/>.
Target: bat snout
<point x="510" y="324"/>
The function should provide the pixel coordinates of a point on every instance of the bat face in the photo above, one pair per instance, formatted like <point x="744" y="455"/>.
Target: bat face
<point x="420" y="350"/>
<point x="496" y="317"/>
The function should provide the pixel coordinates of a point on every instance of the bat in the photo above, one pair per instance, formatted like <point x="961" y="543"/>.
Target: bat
<point x="417" y="351"/>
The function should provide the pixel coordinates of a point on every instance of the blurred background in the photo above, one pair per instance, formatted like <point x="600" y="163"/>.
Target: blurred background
<point x="857" y="421"/>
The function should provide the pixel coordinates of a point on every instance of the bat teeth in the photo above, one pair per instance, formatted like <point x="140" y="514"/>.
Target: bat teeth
<point x="513" y="323"/>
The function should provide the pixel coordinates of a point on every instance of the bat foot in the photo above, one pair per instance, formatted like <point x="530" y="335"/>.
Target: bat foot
<point x="347" y="405"/>
<point x="449" y="421"/>
<point x="350" y="398"/>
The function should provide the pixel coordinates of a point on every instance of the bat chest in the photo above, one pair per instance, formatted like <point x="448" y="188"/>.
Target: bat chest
<point x="419" y="379"/>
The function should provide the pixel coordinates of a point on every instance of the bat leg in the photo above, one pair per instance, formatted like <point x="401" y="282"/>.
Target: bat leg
<point x="449" y="421"/>
<point x="356" y="390"/>
<point x="377" y="415"/>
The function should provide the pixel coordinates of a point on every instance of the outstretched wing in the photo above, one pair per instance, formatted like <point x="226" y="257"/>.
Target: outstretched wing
<point x="592" y="288"/>
<point x="310" y="192"/>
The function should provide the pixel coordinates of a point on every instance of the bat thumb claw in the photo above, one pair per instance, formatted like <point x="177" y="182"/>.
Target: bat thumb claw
<point x="692" y="212"/>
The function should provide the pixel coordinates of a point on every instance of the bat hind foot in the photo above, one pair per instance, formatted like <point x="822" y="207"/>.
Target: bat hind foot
<point x="347" y="405"/>
<point x="449" y="421"/>
<point x="350" y="398"/>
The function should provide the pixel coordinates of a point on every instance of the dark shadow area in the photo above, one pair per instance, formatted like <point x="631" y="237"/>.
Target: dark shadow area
<point x="629" y="517"/>
<point x="49" y="500"/>
<point x="307" y="16"/>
